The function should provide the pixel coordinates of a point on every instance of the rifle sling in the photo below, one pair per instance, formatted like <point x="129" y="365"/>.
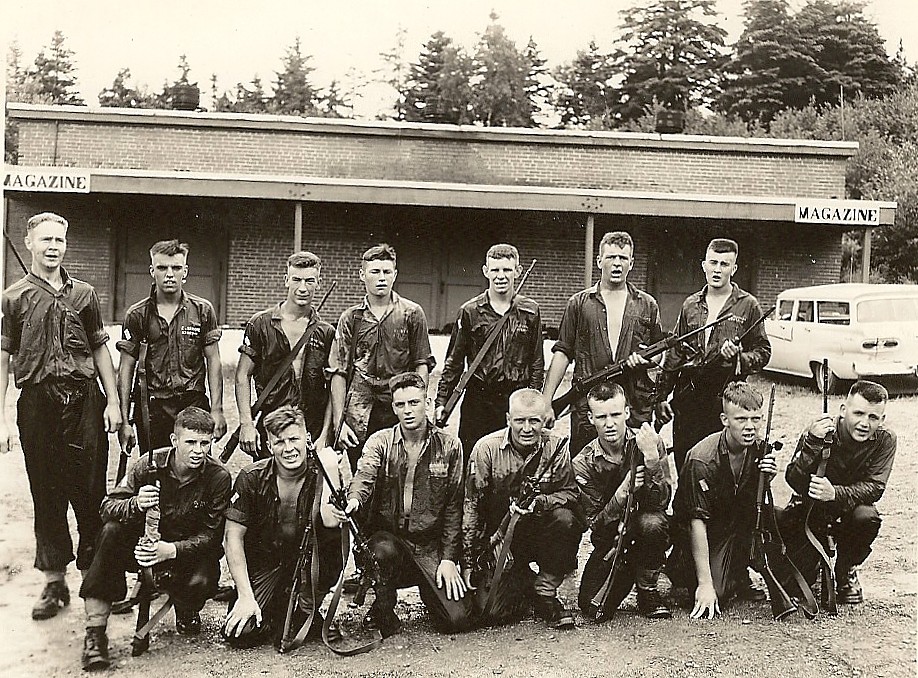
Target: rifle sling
<point x="828" y="592"/>
<point x="144" y="631"/>
<point x="282" y="368"/>
<point x="808" y="603"/>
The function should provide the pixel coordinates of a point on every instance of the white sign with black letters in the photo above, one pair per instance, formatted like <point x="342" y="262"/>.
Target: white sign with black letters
<point x="46" y="179"/>
<point x="840" y="212"/>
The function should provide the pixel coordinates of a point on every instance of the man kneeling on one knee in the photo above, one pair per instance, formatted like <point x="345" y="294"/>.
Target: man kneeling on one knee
<point x="191" y="490"/>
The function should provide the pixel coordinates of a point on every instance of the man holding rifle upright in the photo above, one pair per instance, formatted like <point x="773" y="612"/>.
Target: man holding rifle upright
<point x="602" y="325"/>
<point x="269" y="340"/>
<point x="700" y="369"/>
<point x="182" y="335"/>
<point x="515" y="359"/>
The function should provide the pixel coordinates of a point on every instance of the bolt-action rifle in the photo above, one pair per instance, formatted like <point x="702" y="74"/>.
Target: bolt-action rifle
<point x="580" y="387"/>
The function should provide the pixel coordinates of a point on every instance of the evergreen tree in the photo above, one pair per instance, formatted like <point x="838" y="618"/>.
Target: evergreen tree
<point x="120" y="94"/>
<point x="394" y="73"/>
<point x="55" y="72"/>
<point x="586" y="92"/>
<point x="539" y="84"/>
<point x="438" y="87"/>
<point x="294" y="94"/>
<point x="673" y="54"/>
<point x="499" y="96"/>
<point x="335" y="103"/>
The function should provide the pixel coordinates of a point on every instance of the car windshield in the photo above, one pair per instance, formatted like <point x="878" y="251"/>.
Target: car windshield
<point x="885" y="310"/>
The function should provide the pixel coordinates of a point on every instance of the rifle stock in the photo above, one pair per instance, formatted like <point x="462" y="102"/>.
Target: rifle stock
<point x="580" y="387"/>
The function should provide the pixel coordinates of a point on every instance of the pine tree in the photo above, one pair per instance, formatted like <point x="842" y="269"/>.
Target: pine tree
<point x="499" y="96"/>
<point x="672" y="55"/>
<point x="394" y="73"/>
<point x="438" y="84"/>
<point x="539" y="84"/>
<point x="335" y="103"/>
<point x="294" y="94"/>
<point x="55" y="72"/>
<point x="586" y="93"/>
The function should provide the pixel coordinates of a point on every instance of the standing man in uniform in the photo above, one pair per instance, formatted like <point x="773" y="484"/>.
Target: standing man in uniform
<point x="52" y="328"/>
<point x="270" y="336"/>
<point x="549" y="528"/>
<point x="699" y="384"/>
<point x="602" y="325"/>
<point x="514" y="361"/>
<point x="274" y="501"/>
<point x="183" y="337"/>
<point x="380" y="337"/>
<point x="409" y="480"/>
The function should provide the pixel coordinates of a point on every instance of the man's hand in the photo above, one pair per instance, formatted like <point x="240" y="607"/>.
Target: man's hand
<point x="345" y="515"/>
<point x="769" y="463"/>
<point x="549" y="416"/>
<point x="706" y="605"/>
<point x="219" y="423"/>
<point x="730" y="349"/>
<point x="516" y="508"/>
<point x="248" y="438"/>
<point x="822" y="426"/>
<point x="467" y="579"/>
<point x="821" y="489"/>
<point x="664" y="412"/>
<point x="648" y="443"/>
<point x="348" y="438"/>
<point x="637" y="360"/>
<point x="126" y="437"/>
<point x="112" y="417"/>
<point x="147" y="497"/>
<point x="148" y="555"/>
<point x="438" y="413"/>
<point x="243" y="609"/>
<point x="621" y="494"/>
<point x="448" y="577"/>
<point x="4" y="435"/>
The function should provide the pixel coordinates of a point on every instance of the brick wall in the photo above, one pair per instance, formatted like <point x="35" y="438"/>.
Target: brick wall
<point x="702" y="168"/>
<point x="796" y="256"/>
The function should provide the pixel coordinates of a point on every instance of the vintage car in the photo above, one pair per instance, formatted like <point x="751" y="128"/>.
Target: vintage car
<point x="864" y="330"/>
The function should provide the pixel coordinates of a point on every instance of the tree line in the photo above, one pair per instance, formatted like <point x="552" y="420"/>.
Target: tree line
<point x="821" y="71"/>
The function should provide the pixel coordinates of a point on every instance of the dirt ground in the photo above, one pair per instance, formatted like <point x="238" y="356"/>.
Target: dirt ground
<point x="876" y="639"/>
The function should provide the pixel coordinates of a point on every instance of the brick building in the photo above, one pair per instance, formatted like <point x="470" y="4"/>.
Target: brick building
<point x="246" y="190"/>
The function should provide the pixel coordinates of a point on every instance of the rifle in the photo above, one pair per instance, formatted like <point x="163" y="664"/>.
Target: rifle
<point x="597" y="607"/>
<point x="463" y="382"/>
<point x="580" y="387"/>
<point x="826" y="555"/>
<point x="496" y="558"/>
<point x="233" y="441"/>
<point x="141" y="405"/>
<point x="767" y="544"/>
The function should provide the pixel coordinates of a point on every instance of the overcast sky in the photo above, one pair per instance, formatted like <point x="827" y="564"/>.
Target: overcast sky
<point x="236" y="40"/>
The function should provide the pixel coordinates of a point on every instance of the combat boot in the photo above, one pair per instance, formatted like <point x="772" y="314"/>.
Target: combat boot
<point x="53" y="597"/>
<point x="847" y="586"/>
<point x="95" y="649"/>
<point x="651" y="605"/>
<point x="553" y="612"/>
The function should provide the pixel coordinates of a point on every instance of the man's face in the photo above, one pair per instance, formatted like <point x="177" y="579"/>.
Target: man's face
<point x="378" y="276"/>
<point x="860" y="417"/>
<point x="410" y="406"/>
<point x="525" y="422"/>
<point x="742" y="425"/>
<point x="47" y="242"/>
<point x="614" y="263"/>
<point x="301" y="284"/>
<point x="609" y="417"/>
<point x="289" y="447"/>
<point x="719" y="268"/>
<point x="168" y="272"/>
<point x="501" y="273"/>
<point x="191" y="447"/>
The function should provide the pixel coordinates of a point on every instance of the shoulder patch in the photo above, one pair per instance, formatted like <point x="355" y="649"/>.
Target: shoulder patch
<point x="703" y="485"/>
<point x="581" y="480"/>
<point x="234" y="498"/>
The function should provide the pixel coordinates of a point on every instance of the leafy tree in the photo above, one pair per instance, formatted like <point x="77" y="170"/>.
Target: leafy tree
<point x="586" y="92"/>
<point x="499" y="85"/>
<point x="55" y="72"/>
<point x="673" y="53"/>
<point x="23" y="87"/>
<point x="120" y="94"/>
<point x="438" y="87"/>
<point x="294" y="93"/>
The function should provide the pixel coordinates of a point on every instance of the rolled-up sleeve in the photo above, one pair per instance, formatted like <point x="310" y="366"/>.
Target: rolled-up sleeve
<point x="421" y="353"/>
<point x="132" y="332"/>
<point x="241" y="506"/>
<point x="698" y="487"/>
<point x="91" y="316"/>
<point x="374" y="451"/>
<point x="567" y="333"/>
<point x="209" y="327"/>
<point x="10" y="327"/>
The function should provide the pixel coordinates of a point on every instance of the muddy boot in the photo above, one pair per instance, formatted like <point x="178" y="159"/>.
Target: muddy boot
<point x="749" y="591"/>
<point x="651" y="605"/>
<point x="187" y="622"/>
<point x="847" y="586"/>
<point x="381" y="615"/>
<point x="95" y="649"/>
<point x="53" y="597"/>
<point x="553" y="612"/>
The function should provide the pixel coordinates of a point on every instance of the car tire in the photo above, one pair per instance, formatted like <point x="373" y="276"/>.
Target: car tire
<point x="833" y="382"/>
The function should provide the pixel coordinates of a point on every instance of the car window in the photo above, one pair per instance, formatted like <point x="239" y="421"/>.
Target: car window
<point x="785" y="309"/>
<point x="884" y="310"/>
<point x="833" y="312"/>
<point x="805" y="312"/>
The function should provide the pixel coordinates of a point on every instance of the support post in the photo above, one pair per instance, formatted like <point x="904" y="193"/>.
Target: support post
<point x="297" y="226"/>
<point x="865" y="255"/>
<point x="588" y="252"/>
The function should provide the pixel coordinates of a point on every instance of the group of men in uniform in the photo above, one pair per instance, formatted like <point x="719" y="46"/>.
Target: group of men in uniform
<point x="463" y="518"/>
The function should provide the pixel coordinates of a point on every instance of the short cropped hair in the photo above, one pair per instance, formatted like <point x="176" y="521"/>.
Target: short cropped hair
<point x="723" y="245"/>
<point x="303" y="259"/>
<point x="525" y="396"/>
<point x="503" y="251"/>
<point x="381" y="252"/>
<point x="742" y="395"/>
<point x="169" y="248"/>
<point x="617" y="238"/>
<point x="43" y="217"/>
<point x="606" y="390"/>
<point x="870" y="391"/>
<point x="283" y="417"/>
<point x="406" y="380"/>
<point x="195" y="419"/>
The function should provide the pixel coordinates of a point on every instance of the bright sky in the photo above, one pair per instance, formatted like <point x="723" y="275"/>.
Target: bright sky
<point x="236" y="40"/>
